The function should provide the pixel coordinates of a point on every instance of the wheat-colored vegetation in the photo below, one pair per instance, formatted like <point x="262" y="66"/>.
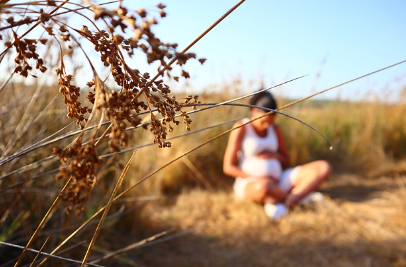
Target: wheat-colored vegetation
<point x="361" y="223"/>
<point x="57" y="180"/>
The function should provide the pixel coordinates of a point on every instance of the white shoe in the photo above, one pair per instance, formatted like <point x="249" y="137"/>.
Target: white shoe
<point x="275" y="211"/>
<point x="314" y="197"/>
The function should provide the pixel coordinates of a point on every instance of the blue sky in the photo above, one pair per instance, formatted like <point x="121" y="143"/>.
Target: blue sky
<point x="266" y="42"/>
<point x="272" y="41"/>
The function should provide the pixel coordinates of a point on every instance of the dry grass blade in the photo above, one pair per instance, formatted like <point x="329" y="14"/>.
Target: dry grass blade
<point x="211" y="105"/>
<point x="189" y="152"/>
<point x="226" y="102"/>
<point x="146" y="242"/>
<point x="30" y="179"/>
<point x="19" y="128"/>
<point x="283" y="107"/>
<point x="39" y="252"/>
<point x="172" y="138"/>
<point x="242" y="125"/>
<point x="167" y="66"/>
<point x="290" y="104"/>
<point x="115" y="61"/>
<point x="106" y="209"/>
<point x="198" y="174"/>
<point x="40" y="144"/>
<point x="51" y="16"/>
<point x="47" y="254"/>
<point x="195" y="148"/>
<point x="132" y="246"/>
<point x="164" y="239"/>
<point x="194" y="42"/>
<point x="220" y="124"/>
<point x="38" y="163"/>
<point x="31" y="147"/>
<point x="274" y="111"/>
<point x="36" y="24"/>
<point x="77" y="230"/>
<point x="344" y="83"/>
<point x="105" y="133"/>
<point x="6" y="81"/>
<point x="42" y="223"/>
<point x="142" y="180"/>
<point x="28" y="167"/>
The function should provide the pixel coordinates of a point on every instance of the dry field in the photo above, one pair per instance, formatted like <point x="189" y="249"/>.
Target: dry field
<point x="58" y="183"/>
<point x="361" y="223"/>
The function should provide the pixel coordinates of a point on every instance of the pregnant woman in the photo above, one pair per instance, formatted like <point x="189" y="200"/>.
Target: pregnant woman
<point x="256" y="155"/>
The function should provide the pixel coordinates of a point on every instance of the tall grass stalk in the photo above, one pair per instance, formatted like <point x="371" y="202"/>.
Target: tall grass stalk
<point x="24" y="159"/>
<point x="107" y="208"/>
<point x="42" y="223"/>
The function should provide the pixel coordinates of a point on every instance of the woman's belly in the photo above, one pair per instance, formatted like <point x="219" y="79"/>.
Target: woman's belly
<point x="255" y="166"/>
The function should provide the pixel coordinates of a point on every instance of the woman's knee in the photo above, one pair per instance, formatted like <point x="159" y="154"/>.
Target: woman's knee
<point x="319" y="169"/>
<point x="256" y="191"/>
<point x="324" y="168"/>
<point x="261" y="188"/>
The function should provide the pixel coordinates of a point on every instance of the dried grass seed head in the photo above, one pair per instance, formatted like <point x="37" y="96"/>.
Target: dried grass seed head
<point x="122" y="107"/>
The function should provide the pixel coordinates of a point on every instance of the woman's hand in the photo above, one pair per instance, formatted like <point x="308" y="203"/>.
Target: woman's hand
<point x="270" y="178"/>
<point x="268" y="155"/>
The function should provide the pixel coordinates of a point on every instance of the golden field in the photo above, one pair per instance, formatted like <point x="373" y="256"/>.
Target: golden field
<point x="361" y="222"/>
<point x="107" y="195"/>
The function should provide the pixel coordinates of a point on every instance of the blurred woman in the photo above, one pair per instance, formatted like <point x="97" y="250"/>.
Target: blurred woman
<point x="256" y="155"/>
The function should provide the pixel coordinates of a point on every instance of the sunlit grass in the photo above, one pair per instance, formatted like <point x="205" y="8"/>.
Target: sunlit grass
<point x="365" y="136"/>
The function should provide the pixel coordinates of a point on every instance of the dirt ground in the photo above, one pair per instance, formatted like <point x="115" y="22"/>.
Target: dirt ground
<point x="361" y="222"/>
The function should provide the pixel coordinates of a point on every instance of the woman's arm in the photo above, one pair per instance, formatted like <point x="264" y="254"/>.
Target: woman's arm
<point x="283" y="154"/>
<point x="230" y="162"/>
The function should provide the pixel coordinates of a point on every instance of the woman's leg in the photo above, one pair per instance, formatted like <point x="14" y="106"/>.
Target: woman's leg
<point x="263" y="189"/>
<point x="309" y="178"/>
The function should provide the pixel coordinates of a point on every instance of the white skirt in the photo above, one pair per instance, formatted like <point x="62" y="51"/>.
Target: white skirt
<point x="286" y="181"/>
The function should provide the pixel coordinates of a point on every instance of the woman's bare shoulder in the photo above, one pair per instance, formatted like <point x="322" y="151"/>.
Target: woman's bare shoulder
<point x="240" y="129"/>
<point x="238" y="123"/>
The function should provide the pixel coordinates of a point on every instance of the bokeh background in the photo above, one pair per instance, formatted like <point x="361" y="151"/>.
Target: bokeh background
<point x="185" y="215"/>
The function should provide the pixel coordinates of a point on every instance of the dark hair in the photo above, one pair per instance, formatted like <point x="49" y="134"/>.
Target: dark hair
<point x="264" y="99"/>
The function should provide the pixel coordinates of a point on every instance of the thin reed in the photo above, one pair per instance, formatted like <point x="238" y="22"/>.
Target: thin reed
<point x="137" y="94"/>
<point x="46" y="158"/>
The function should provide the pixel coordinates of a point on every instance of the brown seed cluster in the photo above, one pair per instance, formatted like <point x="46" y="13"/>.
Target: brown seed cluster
<point x="137" y="91"/>
<point x="124" y="105"/>
<point x="120" y="108"/>
<point x="71" y="95"/>
<point x="26" y="49"/>
<point x="82" y="163"/>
